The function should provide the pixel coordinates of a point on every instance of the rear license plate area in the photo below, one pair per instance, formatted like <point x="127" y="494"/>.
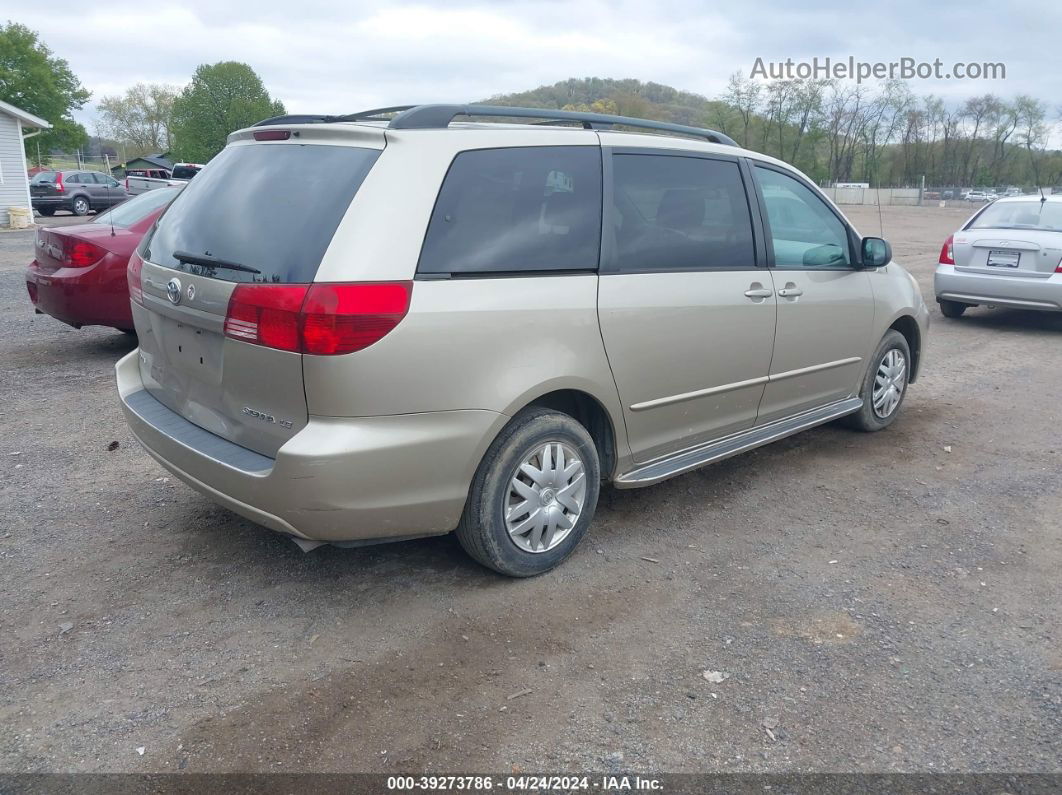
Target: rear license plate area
<point x="193" y="351"/>
<point x="1000" y="258"/>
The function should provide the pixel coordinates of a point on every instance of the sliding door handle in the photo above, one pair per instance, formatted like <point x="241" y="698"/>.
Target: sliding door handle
<point x="758" y="292"/>
<point x="790" y="291"/>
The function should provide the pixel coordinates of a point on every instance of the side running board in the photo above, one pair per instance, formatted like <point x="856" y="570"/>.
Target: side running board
<point x="709" y="453"/>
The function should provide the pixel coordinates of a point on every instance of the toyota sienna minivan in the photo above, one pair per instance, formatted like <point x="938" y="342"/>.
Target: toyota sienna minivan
<point x="391" y="325"/>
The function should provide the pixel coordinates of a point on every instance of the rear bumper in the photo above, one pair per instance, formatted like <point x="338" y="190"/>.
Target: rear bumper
<point x="339" y="479"/>
<point x="1020" y="292"/>
<point x="56" y="202"/>
<point x="94" y="296"/>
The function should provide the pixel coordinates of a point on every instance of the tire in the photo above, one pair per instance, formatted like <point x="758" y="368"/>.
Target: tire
<point x="867" y="418"/>
<point x="80" y="206"/>
<point x="484" y="530"/>
<point x="48" y="211"/>
<point x="952" y="309"/>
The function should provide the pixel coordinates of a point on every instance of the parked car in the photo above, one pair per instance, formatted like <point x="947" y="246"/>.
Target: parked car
<point x="139" y="181"/>
<point x="79" y="192"/>
<point x="78" y="274"/>
<point x="434" y="334"/>
<point x="975" y="196"/>
<point x="948" y="195"/>
<point x="1008" y="254"/>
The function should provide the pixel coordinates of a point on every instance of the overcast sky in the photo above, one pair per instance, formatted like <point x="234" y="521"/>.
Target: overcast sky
<point x="336" y="57"/>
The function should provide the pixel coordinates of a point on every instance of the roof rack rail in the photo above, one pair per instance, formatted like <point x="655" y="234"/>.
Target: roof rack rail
<point x="319" y="118"/>
<point x="425" y="117"/>
<point x="434" y="117"/>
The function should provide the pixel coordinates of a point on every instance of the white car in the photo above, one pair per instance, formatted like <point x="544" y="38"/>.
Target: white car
<point x="976" y="196"/>
<point x="1008" y="255"/>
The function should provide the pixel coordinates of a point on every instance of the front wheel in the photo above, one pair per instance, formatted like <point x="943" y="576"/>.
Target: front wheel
<point x="952" y="309"/>
<point x="533" y="496"/>
<point x="885" y="384"/>
<point x="80" y="206"/>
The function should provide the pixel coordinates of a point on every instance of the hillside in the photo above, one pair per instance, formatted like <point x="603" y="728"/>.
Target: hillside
<point x="627" y="97"/>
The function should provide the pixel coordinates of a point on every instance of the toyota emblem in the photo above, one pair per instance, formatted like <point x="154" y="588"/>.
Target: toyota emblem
<point x="173" y="291"/>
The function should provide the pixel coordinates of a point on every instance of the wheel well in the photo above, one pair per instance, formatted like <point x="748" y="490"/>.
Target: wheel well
<point x="907" y="326"/>
<point x="591" y="415"/>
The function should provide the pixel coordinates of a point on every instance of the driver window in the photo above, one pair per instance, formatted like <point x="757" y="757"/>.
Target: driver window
<point x="805" y="233"/>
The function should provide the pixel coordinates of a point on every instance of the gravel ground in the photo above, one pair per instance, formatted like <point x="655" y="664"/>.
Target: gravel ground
<point x="878" y="602"/>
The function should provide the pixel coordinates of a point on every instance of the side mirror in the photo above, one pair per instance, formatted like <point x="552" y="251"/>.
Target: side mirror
<point x="875" y="252"/>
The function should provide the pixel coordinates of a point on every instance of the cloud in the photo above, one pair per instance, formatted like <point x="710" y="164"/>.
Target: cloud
<point x="325" y="57"/>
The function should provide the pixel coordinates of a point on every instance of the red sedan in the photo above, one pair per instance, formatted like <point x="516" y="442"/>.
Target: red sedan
<point x="78" y="273"/>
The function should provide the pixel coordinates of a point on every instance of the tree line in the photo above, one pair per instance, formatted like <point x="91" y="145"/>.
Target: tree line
<point x="837" y="131"/>
<point x="191" y="122"/>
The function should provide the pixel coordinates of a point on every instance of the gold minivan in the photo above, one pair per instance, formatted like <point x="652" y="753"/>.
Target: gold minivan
<point x="389" y="325"/>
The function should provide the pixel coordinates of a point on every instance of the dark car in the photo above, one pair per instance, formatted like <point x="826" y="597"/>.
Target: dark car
<point x="78" y="192"/>
<point x="78" y="272"/>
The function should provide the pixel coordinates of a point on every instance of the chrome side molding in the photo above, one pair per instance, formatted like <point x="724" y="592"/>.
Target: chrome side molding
<point x="709" y="453"/>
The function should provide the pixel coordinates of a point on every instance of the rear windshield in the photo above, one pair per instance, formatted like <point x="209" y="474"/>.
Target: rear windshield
<point x="135" y="210"/>
<point x="1033" y="214"/>
<point x="184" y="172"/>
<point x="270" y="208"/>
<point x="43" y="176"/>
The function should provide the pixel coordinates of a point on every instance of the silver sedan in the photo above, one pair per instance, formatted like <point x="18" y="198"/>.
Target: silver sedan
<point x="1009" y="254"/>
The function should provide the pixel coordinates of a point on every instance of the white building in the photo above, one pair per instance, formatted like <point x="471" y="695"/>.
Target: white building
<point x="15" y="126"/>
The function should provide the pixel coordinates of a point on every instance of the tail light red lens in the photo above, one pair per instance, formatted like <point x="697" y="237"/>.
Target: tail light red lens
<point x="322" y="319"/>
<point x="266" y="314"/>
<point x="132" y="274"/>
<point x="127" y="183"/>
<point x="81" y="253"/>
<point x="947" y="253"/>
<point x="59" y="182"/>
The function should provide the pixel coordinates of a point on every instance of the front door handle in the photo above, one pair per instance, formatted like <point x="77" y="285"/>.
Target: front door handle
<point x="790" y="291"/>
<point x="755" y="292"/>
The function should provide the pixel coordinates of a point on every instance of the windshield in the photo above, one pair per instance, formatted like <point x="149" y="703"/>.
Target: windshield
<point x="184" y="172"/>
<point x="1031" y="214"/>
<point x="136" y="209"/>
<point x="270" y="208"/>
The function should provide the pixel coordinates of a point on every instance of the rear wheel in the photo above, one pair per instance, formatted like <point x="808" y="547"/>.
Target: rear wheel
<point x="80" y="206"/>
<point x="952" y="308"/>
<point x="533" y="496"/>
<point x="885" y="384"/>
<point x="49" y="211"/>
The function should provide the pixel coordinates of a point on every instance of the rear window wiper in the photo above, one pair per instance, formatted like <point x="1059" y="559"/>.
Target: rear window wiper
<point x="211" y="262"/>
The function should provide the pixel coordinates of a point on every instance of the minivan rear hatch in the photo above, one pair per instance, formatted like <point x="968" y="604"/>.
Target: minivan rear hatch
<point x="256" y="221"/>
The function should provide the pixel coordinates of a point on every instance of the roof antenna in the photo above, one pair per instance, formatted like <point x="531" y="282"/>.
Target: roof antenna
<point x="881" y="221"/>
<point x="1036" y="176"/>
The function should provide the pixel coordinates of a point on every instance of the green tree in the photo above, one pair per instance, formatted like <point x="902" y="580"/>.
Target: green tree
<point x="221" y="98"/>
<point x="33" y="79"/>
<point x="140" y="118"/>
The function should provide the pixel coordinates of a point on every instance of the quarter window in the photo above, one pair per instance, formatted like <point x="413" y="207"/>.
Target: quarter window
<point x="515" y="210"/>
<point x="804" y="231"/>
<point x="680" y="213"/>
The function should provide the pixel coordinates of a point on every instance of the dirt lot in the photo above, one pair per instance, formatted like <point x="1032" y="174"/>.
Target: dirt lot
<point x="879" y="602"/>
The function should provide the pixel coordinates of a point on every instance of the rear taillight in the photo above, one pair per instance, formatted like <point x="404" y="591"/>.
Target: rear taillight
<point x="132" y="273"/>
<point x="947" y="253"/>
<point x="81" y="253"/>
<point x="1058" y="268"/>
<point x="127" y="183"/>
<point x="266" y="314"/>
<point x="59" y="182"/>
<point x="323" y="319"/>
